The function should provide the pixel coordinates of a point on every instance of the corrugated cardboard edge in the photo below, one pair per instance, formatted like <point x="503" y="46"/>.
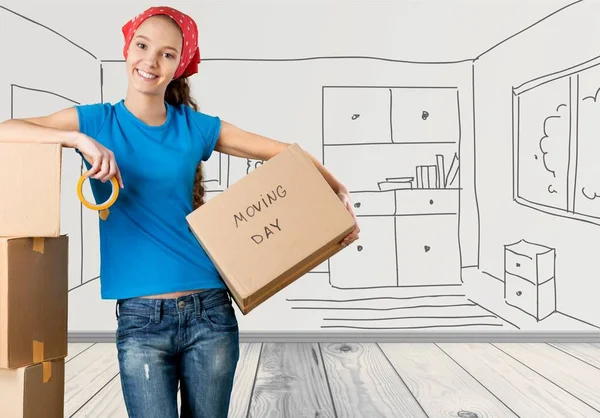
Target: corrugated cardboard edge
<point x="59" y="153"/>
<point x="4" y="306"/>
<point x="294" y="273"/>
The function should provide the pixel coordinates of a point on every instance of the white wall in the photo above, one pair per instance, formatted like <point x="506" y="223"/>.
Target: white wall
<point x="563" y="41"/>
<point x="266" y="71"/>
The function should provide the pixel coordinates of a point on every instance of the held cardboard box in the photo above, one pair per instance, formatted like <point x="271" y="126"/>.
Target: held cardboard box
<point x="34" y="391"/>
<point x="33" y="300"/>
<point x="30" y="176"/>
<point x="271" y="227"/>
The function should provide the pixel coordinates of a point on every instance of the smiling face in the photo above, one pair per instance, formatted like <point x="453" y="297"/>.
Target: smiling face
<point x="153" y="55"/>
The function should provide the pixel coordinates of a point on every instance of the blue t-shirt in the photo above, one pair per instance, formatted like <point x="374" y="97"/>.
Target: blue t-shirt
<point x="146" y="246"/>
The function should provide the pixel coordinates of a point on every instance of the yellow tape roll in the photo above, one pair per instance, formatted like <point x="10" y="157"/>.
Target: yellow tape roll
<point x="103" y="206"/>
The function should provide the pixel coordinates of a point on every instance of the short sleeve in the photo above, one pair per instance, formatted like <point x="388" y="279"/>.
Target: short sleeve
<point x="209" y="127"/>
<point x="91" y="119"/>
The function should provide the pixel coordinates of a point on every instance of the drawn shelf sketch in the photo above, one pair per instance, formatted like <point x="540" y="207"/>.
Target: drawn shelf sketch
<point x="475" y="187"/>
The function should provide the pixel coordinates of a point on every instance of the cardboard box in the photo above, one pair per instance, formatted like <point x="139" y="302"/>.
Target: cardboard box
<point x="33" y="300"/>
<point x="34" y="391"/>
<point x="30" y="176"/>
<point x="271" y="227"/>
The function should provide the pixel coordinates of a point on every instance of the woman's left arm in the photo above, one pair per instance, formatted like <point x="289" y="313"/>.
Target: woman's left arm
<point x="237" y="142"/>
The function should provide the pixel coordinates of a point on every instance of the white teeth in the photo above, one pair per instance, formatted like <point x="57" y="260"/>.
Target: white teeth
<point x="146" y="75"/>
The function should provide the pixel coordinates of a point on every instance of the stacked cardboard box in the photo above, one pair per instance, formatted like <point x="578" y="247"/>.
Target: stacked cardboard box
<point x="33" y="282"/>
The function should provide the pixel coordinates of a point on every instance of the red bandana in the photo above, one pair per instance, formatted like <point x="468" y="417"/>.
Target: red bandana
<point x="190" y="54"/>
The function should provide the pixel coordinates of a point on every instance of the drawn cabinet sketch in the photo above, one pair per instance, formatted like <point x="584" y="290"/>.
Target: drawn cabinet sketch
<point x="408" y="207"/>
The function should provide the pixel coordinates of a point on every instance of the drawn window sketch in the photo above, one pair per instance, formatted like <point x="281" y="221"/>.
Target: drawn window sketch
<point x="475" y="180"/>
<point x="556" y="127"/>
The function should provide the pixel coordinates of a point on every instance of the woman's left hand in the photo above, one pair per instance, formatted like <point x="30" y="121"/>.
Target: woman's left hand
<point x="353" y="235"/>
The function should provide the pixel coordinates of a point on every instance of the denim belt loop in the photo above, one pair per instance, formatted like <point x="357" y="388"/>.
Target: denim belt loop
<point x="157" y="310"/>
<point x="197" y="304"/>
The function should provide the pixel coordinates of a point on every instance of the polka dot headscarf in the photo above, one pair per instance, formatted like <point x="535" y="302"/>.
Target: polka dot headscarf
<point x="190" y="54"/>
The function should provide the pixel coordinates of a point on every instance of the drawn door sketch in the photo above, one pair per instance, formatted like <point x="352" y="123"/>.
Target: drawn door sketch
<point x="476" y="189"/>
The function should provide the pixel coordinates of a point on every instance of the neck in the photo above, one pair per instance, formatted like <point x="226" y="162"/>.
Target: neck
<point x="150" y="109"/>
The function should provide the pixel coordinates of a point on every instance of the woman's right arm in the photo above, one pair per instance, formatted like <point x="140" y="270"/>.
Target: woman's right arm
<point x="62" y="128"/>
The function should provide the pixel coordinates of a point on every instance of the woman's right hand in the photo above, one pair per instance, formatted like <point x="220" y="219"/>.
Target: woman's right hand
<point x="104" y="166"/>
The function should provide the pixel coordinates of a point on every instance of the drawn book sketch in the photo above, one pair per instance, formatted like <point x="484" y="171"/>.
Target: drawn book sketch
<point x="475" y="180"/>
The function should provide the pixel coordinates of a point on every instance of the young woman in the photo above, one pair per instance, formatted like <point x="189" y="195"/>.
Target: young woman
<point x="175" y="319"/>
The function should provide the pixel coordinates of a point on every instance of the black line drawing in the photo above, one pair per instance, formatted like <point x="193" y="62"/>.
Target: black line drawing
<point x="436" y="249"/>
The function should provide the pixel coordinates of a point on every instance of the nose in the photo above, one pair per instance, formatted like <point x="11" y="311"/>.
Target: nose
<point x="150" y="59"/>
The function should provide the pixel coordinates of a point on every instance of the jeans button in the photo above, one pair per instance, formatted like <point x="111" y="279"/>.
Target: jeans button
<point x="181" y="304"/>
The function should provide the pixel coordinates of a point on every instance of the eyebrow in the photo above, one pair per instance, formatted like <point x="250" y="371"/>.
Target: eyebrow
<point x="167" y="47"/>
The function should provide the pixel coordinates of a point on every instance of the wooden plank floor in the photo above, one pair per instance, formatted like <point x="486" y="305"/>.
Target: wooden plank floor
<point x="466" y="380"/>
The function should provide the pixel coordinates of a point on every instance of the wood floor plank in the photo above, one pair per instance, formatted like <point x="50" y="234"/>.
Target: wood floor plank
<point x="243" y="381"/>
<point x="522" y="390"/>
<point x="106" y="403"/>
<point x="586" y="352"/>
<point x="570" y="374"/>
<point x="291" y="382"/>
<point x="364" y="383"/>
<point x="74" y="349"/>
<point x="441" y="386"/>
<point x="88" y="373"/>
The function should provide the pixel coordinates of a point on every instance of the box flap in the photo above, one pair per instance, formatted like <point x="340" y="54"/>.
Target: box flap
<point x="44" y="390"/>
<point x="36" y="300"/>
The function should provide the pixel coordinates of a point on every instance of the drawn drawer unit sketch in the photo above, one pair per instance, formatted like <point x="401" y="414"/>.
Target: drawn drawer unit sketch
<point x="406" y="195"/>
<point x="529" y="278"/>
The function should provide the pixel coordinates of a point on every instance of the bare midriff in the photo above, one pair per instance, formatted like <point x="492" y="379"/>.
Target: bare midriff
<point x="173" y="295"/>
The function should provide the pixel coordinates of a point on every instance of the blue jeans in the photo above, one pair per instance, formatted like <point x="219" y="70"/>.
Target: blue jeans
<point x="192" y="340"/>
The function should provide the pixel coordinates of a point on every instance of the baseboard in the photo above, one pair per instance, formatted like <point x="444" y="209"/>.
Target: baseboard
<point x="376" y="337"/>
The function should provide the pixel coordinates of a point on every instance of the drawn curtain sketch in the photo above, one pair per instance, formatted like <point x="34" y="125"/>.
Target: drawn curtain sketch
<point x="474" y="180"/>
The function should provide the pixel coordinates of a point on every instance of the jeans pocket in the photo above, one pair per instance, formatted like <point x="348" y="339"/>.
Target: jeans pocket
<point x="221" y="315"/>
<point x="131" y="322"/>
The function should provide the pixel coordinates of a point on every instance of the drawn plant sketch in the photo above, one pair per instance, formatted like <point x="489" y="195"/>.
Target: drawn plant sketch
<point x="476" y="189"/>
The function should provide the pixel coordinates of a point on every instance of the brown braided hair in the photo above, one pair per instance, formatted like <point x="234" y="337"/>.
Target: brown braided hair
<point x="178" y="93"/>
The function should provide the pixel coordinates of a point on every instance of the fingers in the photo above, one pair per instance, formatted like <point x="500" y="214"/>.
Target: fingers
<point x="105" y="168"/>
<point x="112" y="170"/>
<point x="91" y="173"/>
<point x="120" y="179"/>
<point x="351" y="237"/>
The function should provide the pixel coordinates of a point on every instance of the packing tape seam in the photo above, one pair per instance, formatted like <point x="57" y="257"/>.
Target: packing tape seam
<point x="46" y="371"/>
<point x="38" y="351"/>
<point x="38" y="244"/>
